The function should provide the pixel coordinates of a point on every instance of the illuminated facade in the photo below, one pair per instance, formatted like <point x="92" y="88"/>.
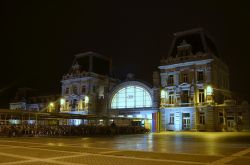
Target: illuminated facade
<point x="195" y="91"/>
<point x="85" y="87"/>
<point x="136" y="100"/>
<point x="86" y="90"/>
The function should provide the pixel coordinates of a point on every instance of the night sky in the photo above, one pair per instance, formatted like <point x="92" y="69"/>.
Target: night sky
<point x="39" y="39"/>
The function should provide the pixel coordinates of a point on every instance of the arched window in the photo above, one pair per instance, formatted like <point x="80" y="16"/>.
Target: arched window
<point x="131" y="97"/>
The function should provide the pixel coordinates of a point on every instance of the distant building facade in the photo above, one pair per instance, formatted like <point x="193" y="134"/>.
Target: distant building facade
<point x="27" y="100"/>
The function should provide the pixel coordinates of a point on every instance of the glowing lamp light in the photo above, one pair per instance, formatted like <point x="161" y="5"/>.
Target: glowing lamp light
<point x="163" y="94"/>
<point x="51" y="104"/>
<point x="86" y="99"/>
<point x="209" y="90"/>
<point x="62" y="101"/>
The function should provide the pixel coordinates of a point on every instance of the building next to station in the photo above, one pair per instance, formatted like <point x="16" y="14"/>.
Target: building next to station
<point x="195" y="92"/>
<point x="191" y="92"/>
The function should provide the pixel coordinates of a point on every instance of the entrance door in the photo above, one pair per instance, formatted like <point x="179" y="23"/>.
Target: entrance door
<point x="230" y="123"/>
<point x="185" y="121"/>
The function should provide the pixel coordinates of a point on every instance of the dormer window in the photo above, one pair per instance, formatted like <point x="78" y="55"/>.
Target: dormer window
<point x="184" y="49"/>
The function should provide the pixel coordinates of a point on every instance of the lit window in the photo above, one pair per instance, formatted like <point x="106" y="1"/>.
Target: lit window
<point x="163" y="94"/>
<point x="163" y="97"/>
<point x="131" y="97"/>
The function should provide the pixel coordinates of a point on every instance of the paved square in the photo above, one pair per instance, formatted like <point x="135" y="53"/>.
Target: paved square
<point x="148" y="149"/>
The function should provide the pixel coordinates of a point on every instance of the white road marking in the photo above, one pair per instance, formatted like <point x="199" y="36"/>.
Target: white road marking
<point x="33" y="159"/>
<point x="53" y="160"/>
<point x="227" y="159"/>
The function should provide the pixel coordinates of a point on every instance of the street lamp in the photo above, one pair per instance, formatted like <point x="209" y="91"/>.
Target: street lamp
<point x="209" y="90"/>
<point x="51" y="106"/>
<point x="62" y="101"/>
<point x="86" y="98"/>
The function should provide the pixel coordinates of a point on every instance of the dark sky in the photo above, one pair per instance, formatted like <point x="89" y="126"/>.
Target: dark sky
<point x="39" y="38"/>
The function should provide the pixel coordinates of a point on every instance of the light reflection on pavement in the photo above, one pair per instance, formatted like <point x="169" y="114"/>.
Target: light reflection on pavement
<point x="209" y="143"/>
<point x="153" y="148"/>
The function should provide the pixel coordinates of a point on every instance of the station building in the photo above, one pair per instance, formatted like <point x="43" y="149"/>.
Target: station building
<point x="189" y="92"/>
<point x="87" y="90"/>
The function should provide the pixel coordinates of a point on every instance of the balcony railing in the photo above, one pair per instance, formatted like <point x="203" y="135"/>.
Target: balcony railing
<point x="177" y="105"/>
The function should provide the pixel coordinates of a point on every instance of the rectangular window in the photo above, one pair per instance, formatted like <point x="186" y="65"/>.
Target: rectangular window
<point x="221" y="118"/>
<point x="185" y="120"/>
<point x="200" y="76"/>
<point x="171" y="119"/>
<point x="106" y="90"/>
<point x="240" y="118"/>
<point x="67" y="91"/>
<point x="184" y="97"/>
<point x="202" y="118"/>
<point x="83" y="89"/>
<point x="74" y="89"/>
<point x="94" y="89"/>
<point x="171" y="98"/>
<point x="185" y="78"/>
<point x="170" y="80"/>
<point x="201" y="96"/>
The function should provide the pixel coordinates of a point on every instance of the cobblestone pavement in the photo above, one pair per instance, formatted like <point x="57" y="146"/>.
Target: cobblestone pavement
<point x="149" y="149"/>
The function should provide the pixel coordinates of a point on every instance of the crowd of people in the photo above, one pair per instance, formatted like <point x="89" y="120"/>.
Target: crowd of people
<point x="66" y="130"/>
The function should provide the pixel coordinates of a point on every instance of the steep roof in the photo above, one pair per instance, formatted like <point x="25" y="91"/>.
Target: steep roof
<point x="91" y="62"/>
<point x="197" y="38"/>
